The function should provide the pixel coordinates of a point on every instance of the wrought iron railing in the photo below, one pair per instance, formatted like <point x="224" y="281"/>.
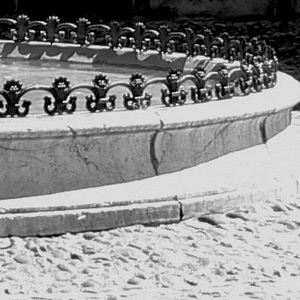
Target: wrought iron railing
<point x="60" y="99"/>
<point x="162" y="39"/>
<point x="257" y="70"/>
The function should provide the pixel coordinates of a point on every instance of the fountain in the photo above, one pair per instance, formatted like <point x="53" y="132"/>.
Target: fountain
<point x="219" y="96"/>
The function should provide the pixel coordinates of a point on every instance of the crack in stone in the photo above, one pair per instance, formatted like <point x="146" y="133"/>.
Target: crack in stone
<point x="153" y="158"/>
<point x="88" y="162"/>
<point x="74" y="133"/>
<point x="198" y="154"/>
<point x="262" y="129"/>
<point x="181" y="214"/>
<point x="149" y="219"/>
<point x="85" y="160"/>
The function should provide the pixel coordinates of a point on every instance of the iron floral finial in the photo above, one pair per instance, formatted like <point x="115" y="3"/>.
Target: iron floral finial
<point x="101" y="81"/>
<point x="203" y="91"/>
<point x="246" y="81"/>
<point x="12" y="86"/>
<point x="100" y="101"/>
<point x="61" y="103"/>
<point x="61" y="84"/>
<point x="173" y="94"/>
<point x="21" y="28"/>
<point x="12" y="93"/>
<point x="81" y="33"/>
<point x="137" y="98"/>
<point x="225" y="88"/>
<point x="137" y="81"/>
<point x="199" y="73"/>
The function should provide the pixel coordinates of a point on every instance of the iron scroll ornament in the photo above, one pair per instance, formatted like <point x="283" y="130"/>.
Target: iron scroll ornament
<point x="136" y="97"/>
<point x="202" y="91"/>
<point x="61" y="101"/>
<point x="99" y="100"/>
<point x="254" y="74"/>
<point x="224" y="86"/>
<point x="172" y="93"/>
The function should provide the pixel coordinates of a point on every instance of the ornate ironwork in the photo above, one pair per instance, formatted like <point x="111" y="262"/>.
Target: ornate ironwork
<point x="51" y="28"/>
<point x="141" y="39"/>
<point x="137" y="97"/>
<point x="118" y="37"/>
<point x="203" y="91"/>
<point x="225" y="88"/>
<point x="138" y="37"/>
<point x="100" y="101"/>
<point x="172" y="93"/>
<point x="82" y="30"/>
<point x="13" y="105"/>
<point x="218" y="83"/>
<point x="61" y="101"/>
<point x="21" y="31"/>
<point x="257" y="70"/>
<point x="269" y="69"/>
<point x="194" y="43"/>
<point x="258" y="74"/>
<point x="246" y="81"/>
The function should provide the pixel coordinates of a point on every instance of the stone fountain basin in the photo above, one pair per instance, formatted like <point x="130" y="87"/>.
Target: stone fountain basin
<point x="98" y="171"/>
<point x="54" y="154"/>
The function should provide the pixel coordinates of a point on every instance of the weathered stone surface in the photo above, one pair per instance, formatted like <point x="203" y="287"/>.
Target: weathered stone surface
<point x="47" y="223"/>
<point x="80" y="157"/>
<point x="257" y="173"/>
<point x="203" y="143"/>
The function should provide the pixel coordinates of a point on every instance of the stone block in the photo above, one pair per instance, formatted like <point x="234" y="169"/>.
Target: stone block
<point x="58" y="222"/>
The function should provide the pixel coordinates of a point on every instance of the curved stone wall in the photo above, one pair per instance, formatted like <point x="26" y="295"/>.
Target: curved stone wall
<point x="82" y="172"/>
<point x="62" y="153"/>
<point x="54" y="154"/>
